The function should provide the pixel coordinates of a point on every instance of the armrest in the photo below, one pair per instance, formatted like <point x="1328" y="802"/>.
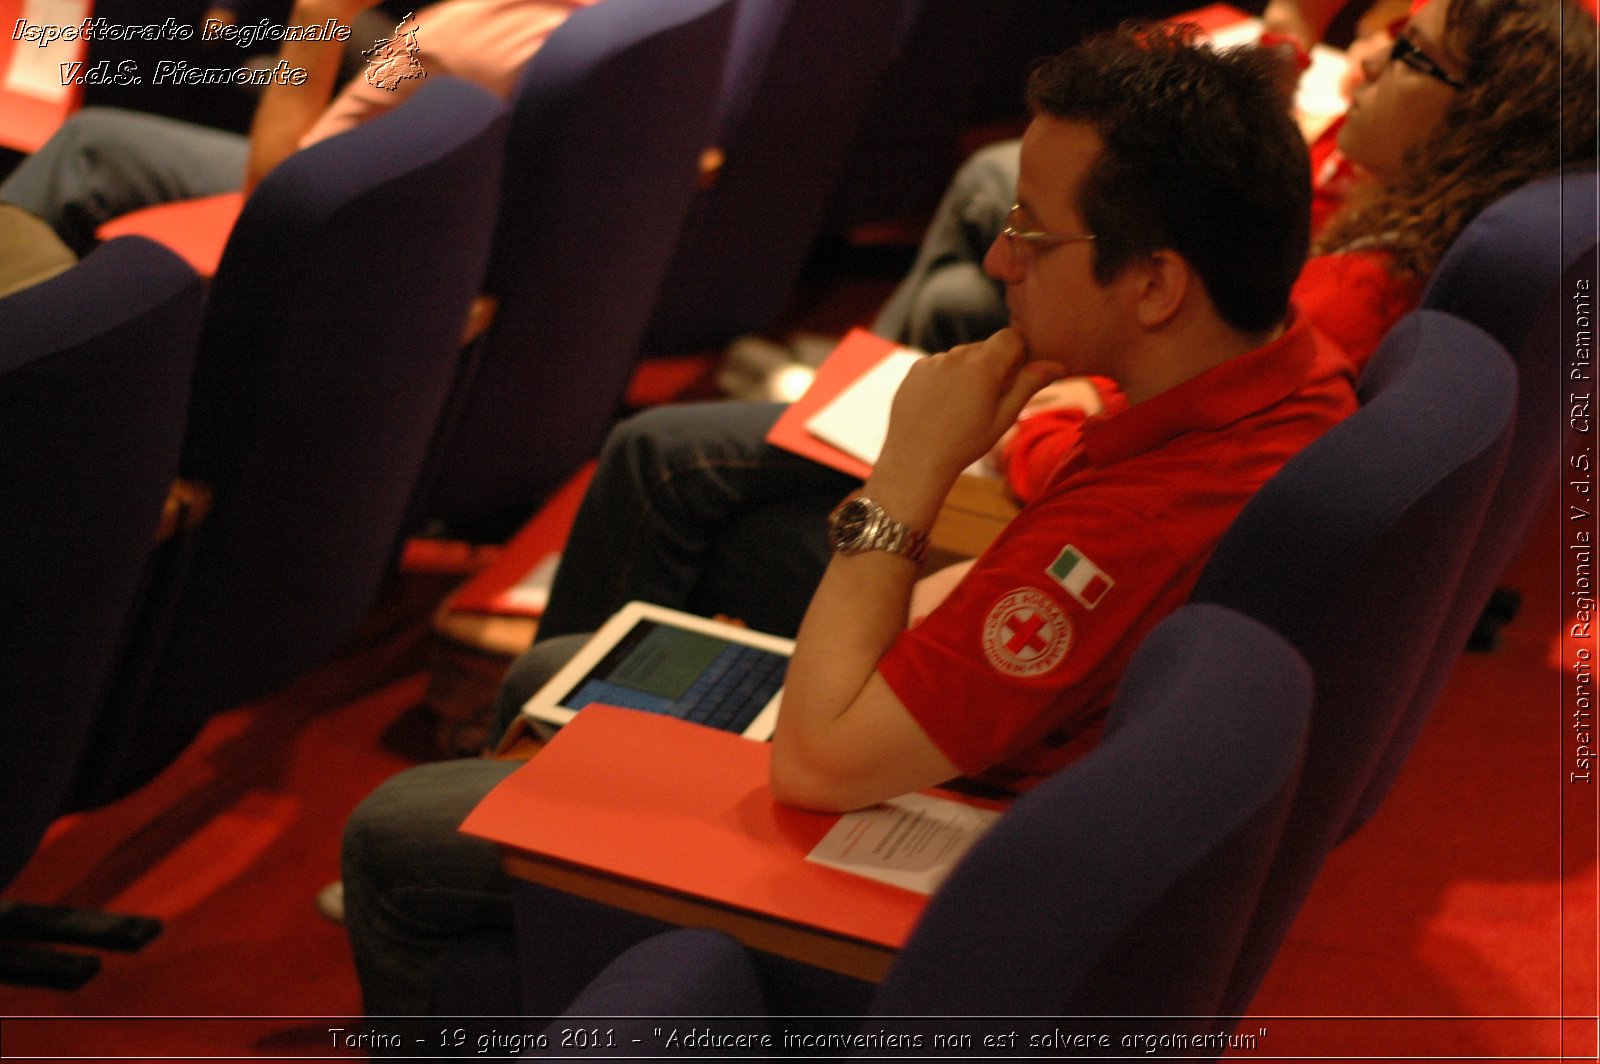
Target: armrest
<point x="973" y="514"/>
<point x="479" y="317"/>
<point x="188" y="502"/>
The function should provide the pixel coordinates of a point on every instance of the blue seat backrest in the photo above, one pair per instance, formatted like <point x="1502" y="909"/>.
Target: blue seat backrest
<point x="1124" y="883"/>
<point x="1353" y="552"/>
<point x="329" y="350"/>
<point x="801" y="82"/>
<point x="95" y="367"/>
<point x="1524" y="271"/>
<point x="608" y="123"/>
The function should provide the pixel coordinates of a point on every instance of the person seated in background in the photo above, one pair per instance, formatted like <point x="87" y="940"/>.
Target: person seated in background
<point x="105" y="162"/>
<point x="1163" y="215"/>
<point x="1471" y="100"/>
<point x="692" y="508"/>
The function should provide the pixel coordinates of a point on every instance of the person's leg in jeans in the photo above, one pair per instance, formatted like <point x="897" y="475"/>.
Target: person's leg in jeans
<point x="413" y="884"/>
<point x="947" y="299"/>
<point x="691" y="508"/>
<point x="672" y="484"/>
<point x="104" y="162"/>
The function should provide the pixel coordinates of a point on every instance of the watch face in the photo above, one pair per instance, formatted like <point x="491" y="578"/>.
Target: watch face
<point x="850" y="524"/>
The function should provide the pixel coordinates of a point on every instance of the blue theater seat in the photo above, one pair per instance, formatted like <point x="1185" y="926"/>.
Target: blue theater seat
<point x="329" y="349"/>
<point x="95" y="366"/>
<point x="1353" y="551"/>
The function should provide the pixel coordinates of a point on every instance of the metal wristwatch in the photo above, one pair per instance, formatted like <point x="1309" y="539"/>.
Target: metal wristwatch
<point x="858" y="525"/>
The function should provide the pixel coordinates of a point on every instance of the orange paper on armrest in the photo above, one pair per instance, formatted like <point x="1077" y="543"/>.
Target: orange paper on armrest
<point x="684" y="808"/>
<point x="857" y="353"/>
<point x="195" y="230"/>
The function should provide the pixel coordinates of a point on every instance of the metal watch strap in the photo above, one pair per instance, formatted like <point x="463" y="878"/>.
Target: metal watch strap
<point x="881" y="532"/>
<point x="894" y="537"/>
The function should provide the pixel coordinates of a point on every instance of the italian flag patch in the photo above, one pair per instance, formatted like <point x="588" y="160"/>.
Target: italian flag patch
<point x="1083" y="579"/>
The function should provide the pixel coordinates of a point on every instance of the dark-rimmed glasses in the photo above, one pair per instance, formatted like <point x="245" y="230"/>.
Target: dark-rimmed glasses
<point x="1405" y="50"/>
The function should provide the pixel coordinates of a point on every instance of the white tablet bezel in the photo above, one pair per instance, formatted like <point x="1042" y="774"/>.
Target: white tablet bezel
<point x="544" y="711"/>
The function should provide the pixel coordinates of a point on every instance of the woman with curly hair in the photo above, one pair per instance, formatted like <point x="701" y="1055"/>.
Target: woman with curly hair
<point x="1475" y="99"/>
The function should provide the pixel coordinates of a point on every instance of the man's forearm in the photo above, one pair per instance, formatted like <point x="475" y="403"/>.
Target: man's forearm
<point x="844" y="739"/>
<point x="857" y="612"/>
<point x="287" y="111"/>
<point x="824" y="756"/>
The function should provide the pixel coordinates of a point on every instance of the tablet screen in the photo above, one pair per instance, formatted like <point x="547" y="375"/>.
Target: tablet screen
<point x="663" y="669"/>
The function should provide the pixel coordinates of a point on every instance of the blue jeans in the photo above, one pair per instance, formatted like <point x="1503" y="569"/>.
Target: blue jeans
<point x="692" y="508"/>
<point x="104" y="162"/>
<point x="413" y="884"/>
<point x="947" y="299"/>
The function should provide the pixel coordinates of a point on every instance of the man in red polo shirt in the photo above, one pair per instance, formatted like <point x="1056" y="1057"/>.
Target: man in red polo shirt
<point x="1162" y="217"/>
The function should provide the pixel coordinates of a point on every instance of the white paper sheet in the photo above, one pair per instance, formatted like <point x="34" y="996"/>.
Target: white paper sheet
<point x="532" y="592"/>
<point x="912" y="841"/>
<point x="857" y="420"/>
<point x="36" y="71"/>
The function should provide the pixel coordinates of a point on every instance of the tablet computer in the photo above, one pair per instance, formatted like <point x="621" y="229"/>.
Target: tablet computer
<point x="663" y="660"/>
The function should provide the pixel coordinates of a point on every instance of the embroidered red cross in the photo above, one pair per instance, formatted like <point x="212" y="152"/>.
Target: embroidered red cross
<point x="1024" y="633"/>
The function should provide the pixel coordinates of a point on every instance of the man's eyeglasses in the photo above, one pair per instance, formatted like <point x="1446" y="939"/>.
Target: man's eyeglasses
<point x="1405" y="51"/>
<point x="1016" y="238"/>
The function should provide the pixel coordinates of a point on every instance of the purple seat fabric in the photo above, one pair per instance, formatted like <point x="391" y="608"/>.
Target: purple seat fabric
<point x="329" y="349"/>
<point x="608" y="123"/>
<point x="95" y="366"/>
<point x="1353" y="552"/>
<point x="1514" y="272"/>
<point x="800" y="78"/>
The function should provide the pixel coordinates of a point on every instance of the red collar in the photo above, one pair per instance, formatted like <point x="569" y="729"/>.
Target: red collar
<point x="1211" y="400"/>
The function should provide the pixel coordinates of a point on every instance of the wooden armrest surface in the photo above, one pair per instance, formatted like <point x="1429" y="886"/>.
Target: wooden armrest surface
<point x="973" y="514"/>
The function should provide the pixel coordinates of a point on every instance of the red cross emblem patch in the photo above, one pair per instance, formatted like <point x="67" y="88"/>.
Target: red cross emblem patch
<point x="1026" y="633"/>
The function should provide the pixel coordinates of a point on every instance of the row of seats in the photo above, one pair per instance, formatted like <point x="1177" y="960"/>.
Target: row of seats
<point x="1252" y="732"/>
<point x="332" y="405"/>
<point x="324" y="390"/>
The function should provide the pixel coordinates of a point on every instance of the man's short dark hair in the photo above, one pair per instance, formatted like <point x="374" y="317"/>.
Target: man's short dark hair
<point x="1201" y="156"/>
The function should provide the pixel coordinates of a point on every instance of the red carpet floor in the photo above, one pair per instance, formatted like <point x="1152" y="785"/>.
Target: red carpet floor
<point x="1453" y="926"/>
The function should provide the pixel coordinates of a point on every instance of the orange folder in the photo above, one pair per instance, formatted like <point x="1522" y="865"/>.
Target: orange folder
<point x="684" y="808"/>
<point x="858" y="352"/>
<point x="195" y="230"/>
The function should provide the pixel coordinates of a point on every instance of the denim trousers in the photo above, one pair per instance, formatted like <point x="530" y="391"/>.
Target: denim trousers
<point x="104" y="162"/>
<point x="414" y="885"/>
<point x="692" y="508"/>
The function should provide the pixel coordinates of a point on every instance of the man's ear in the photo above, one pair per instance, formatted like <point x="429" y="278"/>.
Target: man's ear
<point x="1162" y="283"/>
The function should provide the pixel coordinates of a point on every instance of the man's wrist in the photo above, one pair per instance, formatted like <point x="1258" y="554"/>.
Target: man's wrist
<point x="860" y="525"/>
<point x="913" y="492"/>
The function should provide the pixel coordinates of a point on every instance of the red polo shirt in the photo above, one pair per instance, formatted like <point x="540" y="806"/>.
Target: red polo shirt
<point x="1351" y="296"/>
<point x="1012" y="674"/>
